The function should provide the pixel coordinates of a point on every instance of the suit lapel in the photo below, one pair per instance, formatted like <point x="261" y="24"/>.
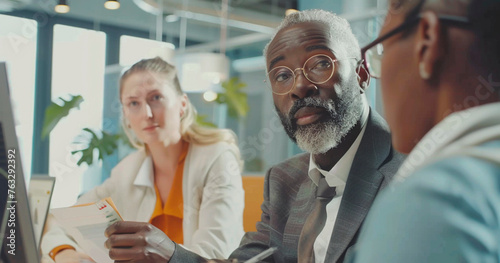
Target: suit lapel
<point x="362" y="185"/>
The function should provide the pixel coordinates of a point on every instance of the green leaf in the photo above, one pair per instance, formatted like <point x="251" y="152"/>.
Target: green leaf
<point x="201" y="120"/>
<point x="55" y="112"/>
<point x="104" y="146"/>
<point x="234" y="97"/>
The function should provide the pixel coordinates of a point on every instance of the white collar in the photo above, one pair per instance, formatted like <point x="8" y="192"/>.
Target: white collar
<point x="337" y="176"/>
<point x="145" y="175"/>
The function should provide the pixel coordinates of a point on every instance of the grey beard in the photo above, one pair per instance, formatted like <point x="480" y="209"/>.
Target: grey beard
<point x="317" y="138"/>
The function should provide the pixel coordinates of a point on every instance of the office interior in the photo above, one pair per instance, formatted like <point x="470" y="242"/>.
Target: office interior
<point x="53" y="56"/>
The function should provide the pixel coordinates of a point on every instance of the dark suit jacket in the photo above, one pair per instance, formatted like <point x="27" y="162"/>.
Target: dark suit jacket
<point x="289" y="196"/>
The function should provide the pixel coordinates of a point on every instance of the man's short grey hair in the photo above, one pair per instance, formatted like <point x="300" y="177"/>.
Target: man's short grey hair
<point x="340" y="30"/>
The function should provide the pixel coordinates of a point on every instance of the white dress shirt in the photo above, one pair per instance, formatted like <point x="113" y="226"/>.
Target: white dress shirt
<point x="337" y="177"/>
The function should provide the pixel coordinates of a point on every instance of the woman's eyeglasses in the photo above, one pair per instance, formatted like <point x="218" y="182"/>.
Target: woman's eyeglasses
<point x="372" y="53"/>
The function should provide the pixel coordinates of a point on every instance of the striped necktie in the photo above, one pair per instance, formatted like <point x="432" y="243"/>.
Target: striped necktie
<point x="315" y="221"/>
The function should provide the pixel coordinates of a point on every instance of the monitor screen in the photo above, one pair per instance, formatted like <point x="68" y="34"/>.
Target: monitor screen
<point x="3" y="185"/>
<point x="18" y="241"/>
<point x="40" y="192"/>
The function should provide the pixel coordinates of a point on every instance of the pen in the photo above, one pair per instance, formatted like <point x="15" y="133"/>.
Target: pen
<point x="264" y="254"/>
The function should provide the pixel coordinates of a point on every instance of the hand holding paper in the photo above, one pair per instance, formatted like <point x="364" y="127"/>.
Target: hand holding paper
<point x="138" y="242"/>
<point x="87" y="223"/>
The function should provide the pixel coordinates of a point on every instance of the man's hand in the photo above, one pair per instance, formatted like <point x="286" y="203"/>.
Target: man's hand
<point x="138" y="242"/>
<point x="71" y="256"/>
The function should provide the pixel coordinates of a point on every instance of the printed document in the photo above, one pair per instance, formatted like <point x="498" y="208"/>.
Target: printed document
<point x="87" y="223"/>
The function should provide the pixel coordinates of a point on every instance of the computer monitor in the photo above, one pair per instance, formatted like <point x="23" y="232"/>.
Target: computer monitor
<point x="18" y="241"/>
<point x="40" y="192"/>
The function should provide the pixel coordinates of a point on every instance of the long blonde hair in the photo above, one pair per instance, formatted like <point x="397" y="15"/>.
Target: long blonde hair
<point x="191" y="131"/>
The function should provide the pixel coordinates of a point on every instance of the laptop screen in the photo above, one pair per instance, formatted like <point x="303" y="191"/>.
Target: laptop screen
<point x="39" y="195"/>
<point x="3" y="185"/>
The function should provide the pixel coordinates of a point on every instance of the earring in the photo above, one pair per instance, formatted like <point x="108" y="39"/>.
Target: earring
<point x="423" y="73"/>
<point x="315" y="86"/>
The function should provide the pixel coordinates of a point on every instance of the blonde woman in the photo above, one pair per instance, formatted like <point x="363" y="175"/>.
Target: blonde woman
<point x="184" y="179"/>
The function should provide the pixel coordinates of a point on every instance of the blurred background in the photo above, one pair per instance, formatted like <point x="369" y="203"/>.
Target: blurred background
<point x="64" y="58"/>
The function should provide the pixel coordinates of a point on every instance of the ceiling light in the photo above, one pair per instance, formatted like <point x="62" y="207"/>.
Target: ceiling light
<point x="62" y="7"/>
<point x="209" y="96"/>
<point x="112" y="4"/>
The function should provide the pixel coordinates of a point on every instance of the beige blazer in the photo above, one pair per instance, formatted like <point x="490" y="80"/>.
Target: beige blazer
<point x="211" y="188"/>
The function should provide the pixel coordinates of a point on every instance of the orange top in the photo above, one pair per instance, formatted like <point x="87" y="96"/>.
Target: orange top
<point x="168" y="217"/>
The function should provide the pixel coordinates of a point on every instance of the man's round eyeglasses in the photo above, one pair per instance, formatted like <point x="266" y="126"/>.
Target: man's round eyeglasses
<point x="372" y="54"/>
<point x="318" y="69"/>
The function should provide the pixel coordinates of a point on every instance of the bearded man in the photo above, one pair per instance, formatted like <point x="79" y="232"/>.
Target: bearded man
<point x="314" y="203"/>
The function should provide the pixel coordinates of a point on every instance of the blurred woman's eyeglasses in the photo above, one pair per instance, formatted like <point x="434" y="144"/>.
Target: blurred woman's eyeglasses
<point x="372" y="53"/>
